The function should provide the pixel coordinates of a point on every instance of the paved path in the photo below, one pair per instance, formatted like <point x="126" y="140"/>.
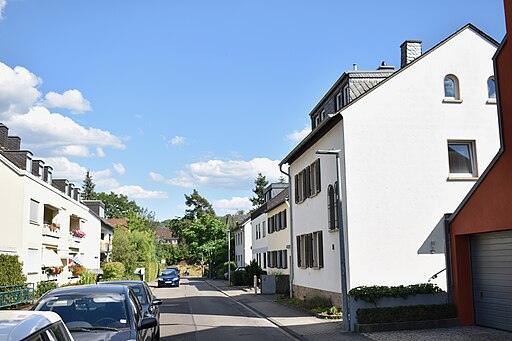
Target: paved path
<point x="310" y="328"/>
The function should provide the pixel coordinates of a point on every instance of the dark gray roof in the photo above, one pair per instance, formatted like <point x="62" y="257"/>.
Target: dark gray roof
<point x="278" y="199"/>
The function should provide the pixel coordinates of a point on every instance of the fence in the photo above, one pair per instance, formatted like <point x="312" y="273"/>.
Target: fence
<point x="14" y="295"/>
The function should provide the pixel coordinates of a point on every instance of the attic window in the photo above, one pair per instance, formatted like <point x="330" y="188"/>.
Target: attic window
<point x="491" y="90"/>
<point x="451" y="89"/>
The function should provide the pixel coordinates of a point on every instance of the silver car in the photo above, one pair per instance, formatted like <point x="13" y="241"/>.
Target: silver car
<point x="16" y="325"/>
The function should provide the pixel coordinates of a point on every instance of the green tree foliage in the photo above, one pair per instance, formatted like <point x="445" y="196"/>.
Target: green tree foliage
<point x="88" y="188"/>
<point x="171" y="254"/>
<point x="199" y="206"/>
<point x="259" y="186"/>
<point x="11" y="270"/>
<point x="176" y="226"/>
<point x="204" y="236"/>
<point x="113" y="270"/>
<point x="117" y="205"/>
<point x="123" y="251"/>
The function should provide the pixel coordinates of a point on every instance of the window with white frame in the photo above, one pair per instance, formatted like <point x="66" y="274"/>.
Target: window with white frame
<point x="310" y="253"/>
<point x="263" y="229"/>
<point x="462" y="158"/>
<point x="451" y="88"/>
<point x="346" y="95"/>
<point x="491" y="88"/>
<point x="338" y="101"/>
<point x="33" y="261"/>
<point x="34" y="211"/>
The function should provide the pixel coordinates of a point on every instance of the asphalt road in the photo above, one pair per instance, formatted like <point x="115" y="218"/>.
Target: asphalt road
<point x="197" y="311"/>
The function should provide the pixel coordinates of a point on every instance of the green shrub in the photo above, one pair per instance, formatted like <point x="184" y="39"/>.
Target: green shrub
<point x="316" y="302"/>
<point x="373" y="293"/>
<point x="406" y="313"/>
<point x="239" y="278"/>
<point x="45" y="286"/>
<point x="11" y="270"/>
<point x="253" y="269"/>
<point x="113" y="271"/>
<point x="87" y="277"/>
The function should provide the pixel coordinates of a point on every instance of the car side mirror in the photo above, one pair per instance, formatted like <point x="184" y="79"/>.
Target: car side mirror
<point x="147" y="322"/>
<point x="156" y="302"/>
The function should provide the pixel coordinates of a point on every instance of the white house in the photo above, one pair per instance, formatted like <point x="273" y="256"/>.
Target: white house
<point x="411" y="145"/>
<point x="278" y="234"/>
<point x="243" y="243"/>
<point x="41" y="219"/>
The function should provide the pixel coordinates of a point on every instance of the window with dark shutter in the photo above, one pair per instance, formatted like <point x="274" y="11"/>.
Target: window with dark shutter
<point x="284" y="220"/>
<point x="297" y="189"/>
<point x="285" y="259"/>
<point x="331" y="207"/>
<point x="318" y="184"/>
<point x="299" y="259"/>
<point x="307" y="176"/>
<point x="320" y="250"/>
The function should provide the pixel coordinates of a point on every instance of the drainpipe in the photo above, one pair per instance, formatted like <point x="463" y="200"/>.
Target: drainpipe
<point x="290" y="196"/>
<point x="448" y="257"/>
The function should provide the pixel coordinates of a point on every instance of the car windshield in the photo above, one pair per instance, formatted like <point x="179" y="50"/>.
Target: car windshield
<point x="102" y="310"/>
<point x="139" y="291"/>
<point x="170" y="272"/>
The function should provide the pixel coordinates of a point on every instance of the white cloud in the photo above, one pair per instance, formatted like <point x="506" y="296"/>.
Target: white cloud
<point x="18" y="90"/>
<point x="137" y="192"/>
<point x="298" y="136"/>
<point x="46" y="132"/>
<point x="63" y="168"/>
<point x="119" y="168"/>
<point x="73" y="150"/>
<point x="218" y="173"/>
<point x="177" y="140"/>
<point x="2" y="6"/>
<point x="224" y="206"/>
<point x="71" y="99"/>
<point x="100" y="152"/>
<point x="43" y="132"/>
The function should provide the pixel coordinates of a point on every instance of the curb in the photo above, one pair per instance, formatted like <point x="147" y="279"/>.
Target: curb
<point x="271" y="320"/>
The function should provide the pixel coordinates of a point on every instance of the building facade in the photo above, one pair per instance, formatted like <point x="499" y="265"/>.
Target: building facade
<point x="410" y="148"/>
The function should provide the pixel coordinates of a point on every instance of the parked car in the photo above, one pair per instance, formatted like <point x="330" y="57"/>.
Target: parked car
<point x="150" y="304"/>
<point x="232" y="271"/>
<point x="16" y="325"/>
<point x="169" y="277"/>
<point x="99" y="312"/>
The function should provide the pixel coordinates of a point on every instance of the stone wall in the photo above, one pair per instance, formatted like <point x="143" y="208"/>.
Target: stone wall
<point x="306" y="293"/>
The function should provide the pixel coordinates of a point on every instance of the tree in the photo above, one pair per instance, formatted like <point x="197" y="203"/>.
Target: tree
<point x="123" y="250"/>
<point x="199" y="206"/>
<point x="205" y="236"/>
<point x="117" y="205"/>
<point x="88" y="188"/>
<point x="260" y="183"/>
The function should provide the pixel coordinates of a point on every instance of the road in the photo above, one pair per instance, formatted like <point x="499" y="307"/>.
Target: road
<point x="196" y="311"/>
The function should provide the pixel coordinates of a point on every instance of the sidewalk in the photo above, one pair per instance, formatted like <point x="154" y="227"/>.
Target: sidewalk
<point x="299" y="324"/>
<point x="306" y="327"/>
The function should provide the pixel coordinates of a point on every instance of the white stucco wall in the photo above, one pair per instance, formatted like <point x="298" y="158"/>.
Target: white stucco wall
<point x="395" y="168"/>
<point x="247" y="252"/>
<point x="20" y="188"/>
<point x="259" y="245"/>
<point x="397" y="160"/>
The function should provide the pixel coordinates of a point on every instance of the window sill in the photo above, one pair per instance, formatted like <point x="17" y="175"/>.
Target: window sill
<point x="472" y="178"/>
<point x="333" y="230"/>
<point x="452" y="100"/>
<point x="491" y="101"/>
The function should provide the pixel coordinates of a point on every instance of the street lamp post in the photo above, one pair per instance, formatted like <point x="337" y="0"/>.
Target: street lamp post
<point x="344" y="295"/>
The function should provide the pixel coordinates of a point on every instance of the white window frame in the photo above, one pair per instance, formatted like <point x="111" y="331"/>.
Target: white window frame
<point x="491" y="99"/>
<point x="34" y="212"/>
<point x="456" y="89"/>
<point x="472" y="155"/>
<point x="339" y="101"/>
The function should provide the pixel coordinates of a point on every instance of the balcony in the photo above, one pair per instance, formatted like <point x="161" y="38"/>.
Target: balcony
<point x="51" y="234"/>
<point x="105" y="246"/>
<point x="74" y="240"/>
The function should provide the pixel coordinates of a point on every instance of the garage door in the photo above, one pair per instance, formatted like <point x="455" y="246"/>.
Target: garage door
<point x="491" y="262"/>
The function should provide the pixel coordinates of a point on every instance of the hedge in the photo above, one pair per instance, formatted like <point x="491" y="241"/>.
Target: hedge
<point x="11" y="271"/>
<point x="373" y="293"/>
<point x="113" y="271"/>
<point x="45" y="286"/>
<point x="406" y="313"/>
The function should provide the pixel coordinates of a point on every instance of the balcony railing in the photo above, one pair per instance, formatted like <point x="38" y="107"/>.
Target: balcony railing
<point x="51" y="231"/>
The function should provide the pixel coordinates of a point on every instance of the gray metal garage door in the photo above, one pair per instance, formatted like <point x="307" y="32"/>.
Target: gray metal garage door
<point x="491" y="263"/>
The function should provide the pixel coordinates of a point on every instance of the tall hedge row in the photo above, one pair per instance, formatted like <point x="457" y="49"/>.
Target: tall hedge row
<point x="11" y="270"/>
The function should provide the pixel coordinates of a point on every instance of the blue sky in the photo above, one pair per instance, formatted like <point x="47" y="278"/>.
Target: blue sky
<point x="159" y="97"/>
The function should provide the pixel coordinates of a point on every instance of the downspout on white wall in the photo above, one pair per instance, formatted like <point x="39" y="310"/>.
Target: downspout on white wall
<point x="290" y="196"/>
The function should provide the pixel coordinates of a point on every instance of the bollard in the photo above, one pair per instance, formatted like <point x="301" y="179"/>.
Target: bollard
<point x="255" y="284"/>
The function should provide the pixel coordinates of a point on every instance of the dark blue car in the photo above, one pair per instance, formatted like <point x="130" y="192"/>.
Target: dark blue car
<point x="169" y="277"/>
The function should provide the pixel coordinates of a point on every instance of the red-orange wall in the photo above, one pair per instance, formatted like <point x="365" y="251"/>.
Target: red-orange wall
<point x="489" y="208"/>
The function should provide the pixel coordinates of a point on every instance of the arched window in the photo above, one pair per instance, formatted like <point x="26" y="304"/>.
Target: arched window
<point x="491" y="88"/>
<point x="331" y="207"/>
<point x="451" y="88"/>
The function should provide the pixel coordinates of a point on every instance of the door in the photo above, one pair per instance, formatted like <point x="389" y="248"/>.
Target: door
<point x="491" y="265"/>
